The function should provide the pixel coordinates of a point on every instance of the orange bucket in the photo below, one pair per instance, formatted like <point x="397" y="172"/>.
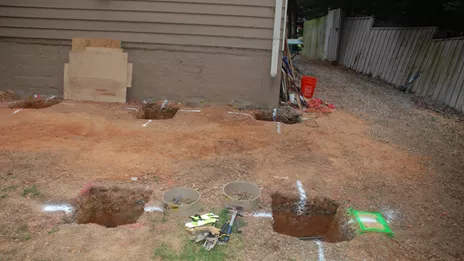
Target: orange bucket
<point x="308" y="85"/>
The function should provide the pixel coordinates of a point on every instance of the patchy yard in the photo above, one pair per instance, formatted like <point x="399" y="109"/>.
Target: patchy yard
<point x="376" y="153"/>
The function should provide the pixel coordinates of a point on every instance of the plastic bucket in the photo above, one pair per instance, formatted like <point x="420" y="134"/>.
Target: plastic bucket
<point x="239" y="186"/>
<point x="182" y="210"/>
<point x="308" y="85"/>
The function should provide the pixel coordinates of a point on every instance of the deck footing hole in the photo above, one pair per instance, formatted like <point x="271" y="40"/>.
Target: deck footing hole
<point x="158" y="111"/>
<point x="285" y="114"/>
<point x="111" y="206"/>
<point x="318" y="218"/>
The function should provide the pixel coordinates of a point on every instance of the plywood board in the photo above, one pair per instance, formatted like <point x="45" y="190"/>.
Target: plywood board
<point x="66" y="94"/>
<point x="129" y="74"/>
<point x="98" y="76"/>
<point x="103" y="49"/>
<point x="80" y="44"/>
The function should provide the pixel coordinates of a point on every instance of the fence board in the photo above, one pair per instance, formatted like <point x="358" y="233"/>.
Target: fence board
<point x="455" y="75"/>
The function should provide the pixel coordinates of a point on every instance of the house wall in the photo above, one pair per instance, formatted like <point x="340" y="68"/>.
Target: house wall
<point x="218" y="49"/>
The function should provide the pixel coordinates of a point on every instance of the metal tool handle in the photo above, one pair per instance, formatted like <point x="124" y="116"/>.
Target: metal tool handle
<point x="238" y="226"/>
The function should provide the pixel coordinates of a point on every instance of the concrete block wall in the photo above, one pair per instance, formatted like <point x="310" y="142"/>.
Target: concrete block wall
<point x="218" y="74"/>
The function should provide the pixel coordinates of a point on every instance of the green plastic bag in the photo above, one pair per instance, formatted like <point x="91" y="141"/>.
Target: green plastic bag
<point x="371" y="222"/>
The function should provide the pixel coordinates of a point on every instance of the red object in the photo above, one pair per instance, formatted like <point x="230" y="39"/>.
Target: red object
<point x="308" y="85"/>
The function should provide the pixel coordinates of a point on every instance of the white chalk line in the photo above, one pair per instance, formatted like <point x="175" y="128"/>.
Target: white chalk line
<point x="240" y="113"/>
<point x="16" y="111"/>
<point x="262" y="214"/>
<point x="146" y="124"/>
<point x="153" y="209"/>
<point x="320" y="251"/>
<point x="303" y="198"/>
<point x="132" y="109"/>
<point x="189" y="110"/>
<point x="58" y="207"/>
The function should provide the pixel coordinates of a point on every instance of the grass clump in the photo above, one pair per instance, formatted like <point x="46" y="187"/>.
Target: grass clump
<point x="31" y="191"/>
<point x="190" y="252"/>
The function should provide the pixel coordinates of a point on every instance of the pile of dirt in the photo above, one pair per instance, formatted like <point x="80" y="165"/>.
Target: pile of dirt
<point x="242" y="195"/>
<point x="285" y="114"/>
<point x="34" y="103"/>
<point x="439" y="107"/>
<point x="158" y="111"/>
<point x="6" y="95"/>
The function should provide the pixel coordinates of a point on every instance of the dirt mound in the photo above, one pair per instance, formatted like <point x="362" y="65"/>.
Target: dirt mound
<point x="6" y="95"/>
<point x="285" y="114"/>
<point x="34" y="103"/>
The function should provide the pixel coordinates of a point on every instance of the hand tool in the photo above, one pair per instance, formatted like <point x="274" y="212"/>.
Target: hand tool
<point x="176" y="200"/>
<point x="226" y="229"/>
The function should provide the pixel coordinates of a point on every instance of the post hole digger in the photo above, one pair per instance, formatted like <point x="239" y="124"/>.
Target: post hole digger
<point x="203" y="230"/>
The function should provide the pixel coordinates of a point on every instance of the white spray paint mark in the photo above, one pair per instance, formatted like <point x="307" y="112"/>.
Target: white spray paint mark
<point x="51" y="97"/>
<point x="389" y="214"/>
<point x="164" y="104"/>
<point x="190" y="110"/>
<point x="305" y="119"/>
<point x="302" y="203"/>
<point x="58" y="207"/>
<point x="16" y="111"/>
<point x="239" y="113"/>
<point x="262" y="214"/>
<point x="320" y="251"/>
<point x="153" y="209"/>
<point x="67" y="103"/>
<point x="146" y="124"/>
<point x="132" y="109"/>
<point x="278" y="127"/>
<point x="274" y="114"/>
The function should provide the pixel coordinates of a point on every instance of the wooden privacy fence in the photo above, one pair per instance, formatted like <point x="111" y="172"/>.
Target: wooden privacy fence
<point x="394" y="54"/>
<point x="314" y="37"/>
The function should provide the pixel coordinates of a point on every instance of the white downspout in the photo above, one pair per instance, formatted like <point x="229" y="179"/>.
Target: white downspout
<point x="285" y="26"/>
<point x="276" y="38"/>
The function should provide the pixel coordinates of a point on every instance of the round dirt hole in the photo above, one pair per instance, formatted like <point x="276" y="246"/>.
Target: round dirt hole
<point x="111" y="206"/>
<point x="319" y="218"/>
<point x="34" y="103"/>
<point x="158" y="111"/>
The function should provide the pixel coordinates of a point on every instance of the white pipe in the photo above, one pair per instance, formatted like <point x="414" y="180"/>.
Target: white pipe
<point x="285" y="26"/>
<point x="276" y="38"/>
